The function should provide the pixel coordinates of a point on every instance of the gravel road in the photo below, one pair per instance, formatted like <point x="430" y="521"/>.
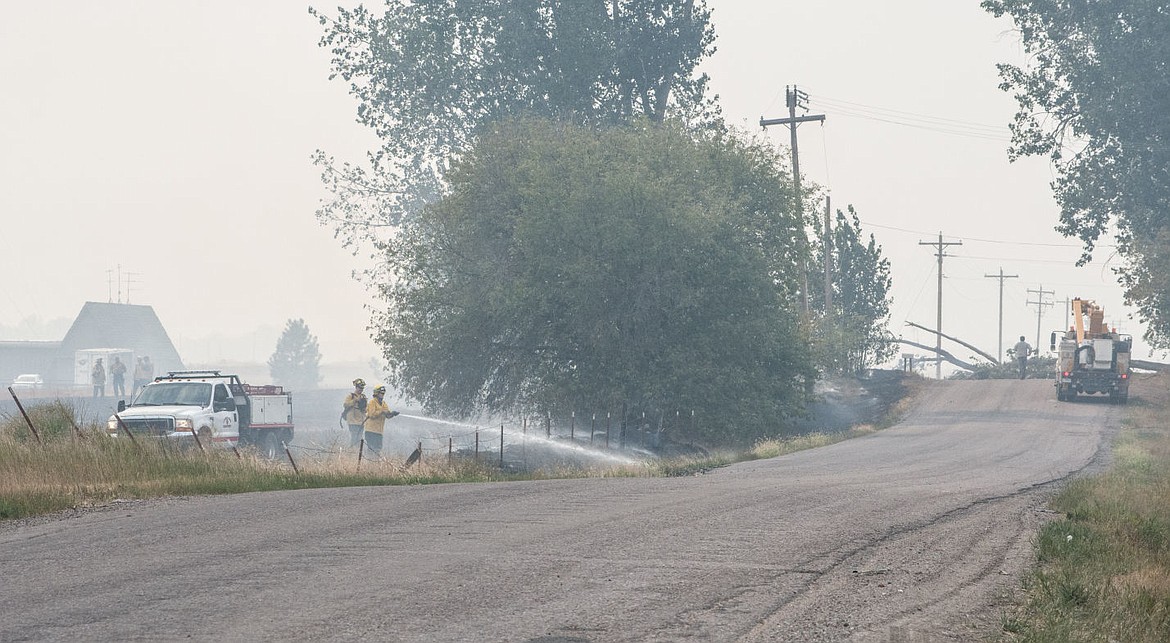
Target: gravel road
<point x="916" y="533"/>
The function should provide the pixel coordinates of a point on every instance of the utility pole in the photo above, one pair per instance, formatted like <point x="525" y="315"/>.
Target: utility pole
<point x="130" y="279"/>
<point x="1040" y="303"/>
<point x="828" y="250"/>
<point x="796" y="98"/>
<point x="940" y="247"/>
<point x="1001" y="277"/>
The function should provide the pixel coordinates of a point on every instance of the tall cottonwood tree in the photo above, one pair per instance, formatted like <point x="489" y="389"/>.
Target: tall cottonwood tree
<point x="589" y="268"/>
<point x="1093" y="97"/>
<point x="428" y="74"/>
<point x="296" y="362"/>
<point x="853" y="333"/>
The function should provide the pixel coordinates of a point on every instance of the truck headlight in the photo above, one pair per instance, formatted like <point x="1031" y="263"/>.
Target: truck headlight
<point x="184" y="425"/>
<point x="112" y="425"/>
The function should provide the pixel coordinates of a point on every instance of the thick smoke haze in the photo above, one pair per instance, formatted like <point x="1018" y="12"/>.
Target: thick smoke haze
<point x="169" y="144"/>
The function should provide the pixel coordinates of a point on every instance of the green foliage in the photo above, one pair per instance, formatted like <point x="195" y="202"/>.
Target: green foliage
<point x="1038" y="368"/>
<point x="429" y="73"/>
<point x="852" y="335"/>
<point x="1103" y="569"/>
<point x="574" y="268"/>
<point x="1094" y="99"/>
<point x="296" y="362"/>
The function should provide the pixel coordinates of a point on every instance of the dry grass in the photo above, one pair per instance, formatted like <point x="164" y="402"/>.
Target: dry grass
<point x="1103" y="570"/>
<point x="78" y="466"/>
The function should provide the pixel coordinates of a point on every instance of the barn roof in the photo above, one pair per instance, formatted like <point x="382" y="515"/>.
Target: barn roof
<point x="104" y="325"/>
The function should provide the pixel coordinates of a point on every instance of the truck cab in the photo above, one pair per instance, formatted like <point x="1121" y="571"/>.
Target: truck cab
<point x="219" y="409"/>
<point x="177" y="406"/>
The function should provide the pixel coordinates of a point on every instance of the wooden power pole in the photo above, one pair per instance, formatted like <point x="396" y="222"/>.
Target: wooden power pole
<point x="940" y="247"/>
<point x="827" y="246"/>
<point x="1001" y="277"/>
<point x="1040" y="304"/>
<point x="796" y="98"/>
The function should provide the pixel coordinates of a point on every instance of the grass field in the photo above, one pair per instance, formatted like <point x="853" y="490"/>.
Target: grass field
<point x="1103" y="569"/>
<point x="75" y="466"/>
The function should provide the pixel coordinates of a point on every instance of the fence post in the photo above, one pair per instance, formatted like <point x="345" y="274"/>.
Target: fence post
<point x="73" y="423"/>
<point x="361" y="448"/>
<point x="450" y="453"/>
<point x="501" y="446"/>
<point x="27" y="420"/>
<point x="607" y="429"/>
<point x="548" y="424"/>
<point x="642" y="431"/>
<point x="127" y="430"/>
<point x="592" y="427"/>
<point x="198" y="442"/>
<point x="622" y="431"/>
<point x="572" y="426"/>
<point x="420" y="453"/>
<point x="290" y="459"/>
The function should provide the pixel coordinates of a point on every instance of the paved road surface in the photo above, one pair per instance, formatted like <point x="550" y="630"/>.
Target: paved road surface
<point x="914" y="533"/>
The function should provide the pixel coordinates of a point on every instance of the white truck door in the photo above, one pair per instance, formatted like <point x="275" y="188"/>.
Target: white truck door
<point x="223" y="411"/>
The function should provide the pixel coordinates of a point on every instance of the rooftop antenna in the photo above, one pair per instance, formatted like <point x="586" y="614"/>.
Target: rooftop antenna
<point x="130" y="280"/>
<point x="110" y="285"/>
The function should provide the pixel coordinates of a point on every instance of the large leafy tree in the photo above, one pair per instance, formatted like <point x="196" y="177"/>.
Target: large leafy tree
<point x="1094" y="98"/>
<point x="428" y="73"/>
<point x="577" y="268"/>
<point x="296" y="362"/>
<point x="852" y="333"/>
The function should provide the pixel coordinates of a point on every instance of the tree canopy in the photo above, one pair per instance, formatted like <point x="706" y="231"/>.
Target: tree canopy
<point x="853" y="333"/>
<point x="576" y="268"/>
<point x="429" y="73"/>
<point x="1094" y="98"/>
<point x="296" y="361"/>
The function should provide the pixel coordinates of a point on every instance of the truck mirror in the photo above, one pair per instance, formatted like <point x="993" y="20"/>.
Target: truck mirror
<point x="1052" y="341"/>
<point x="121" y="405"/>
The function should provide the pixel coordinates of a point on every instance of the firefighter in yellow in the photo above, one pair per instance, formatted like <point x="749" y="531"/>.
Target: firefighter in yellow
<point x="353" y="411"/>
<point x="377" y="412"/>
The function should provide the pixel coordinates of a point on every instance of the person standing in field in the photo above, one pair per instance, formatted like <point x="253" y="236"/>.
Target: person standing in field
<point x="118" y="377"/>
<point x="1023" y="351"/>
<point x="353" y="411"/>
<point x="139" y="376"/>
<point x="98" y="377"/>
<point x="377" y="412"/>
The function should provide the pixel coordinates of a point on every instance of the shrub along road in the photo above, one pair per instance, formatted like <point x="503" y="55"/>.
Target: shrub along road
<point x="917" y="532"/>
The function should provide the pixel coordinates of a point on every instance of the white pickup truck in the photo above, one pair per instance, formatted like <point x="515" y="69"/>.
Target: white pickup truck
<point x="220" y="409"/>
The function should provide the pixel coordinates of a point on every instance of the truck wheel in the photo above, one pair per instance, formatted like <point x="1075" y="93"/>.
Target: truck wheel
<point x="268" y="442"/>
<point x="1060" y="396"/>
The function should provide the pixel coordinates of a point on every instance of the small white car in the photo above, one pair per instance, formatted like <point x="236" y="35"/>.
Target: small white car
<point x="28" y="382"/>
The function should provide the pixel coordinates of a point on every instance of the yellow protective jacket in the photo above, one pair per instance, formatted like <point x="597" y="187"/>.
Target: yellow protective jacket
<point x="354" y="408"/>
<point x="376" y="413"/>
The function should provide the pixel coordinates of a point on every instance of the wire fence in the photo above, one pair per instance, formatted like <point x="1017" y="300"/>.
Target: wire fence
<point x="522" y="443"/>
